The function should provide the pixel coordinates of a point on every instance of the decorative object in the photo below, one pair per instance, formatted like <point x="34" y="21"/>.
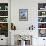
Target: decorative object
<point x="41" y="19"/>
<point x="4" y="29"/>
<point x="3" y="6"/>
<point x="3" y="19"/>
<point x="42" y="32"/>
<point x="3" y="13"/>
<point x="0" y="7"/>
<point x="23" y="14"/>
<point x="41" y="6"/>
<point x="13" y="27"/>
<point x="23" y="40"/>
<point x="31" y="27"/>
<point x="41" y="25"/>
<point x="43" y="13"/>
<point x="6" y="7"/>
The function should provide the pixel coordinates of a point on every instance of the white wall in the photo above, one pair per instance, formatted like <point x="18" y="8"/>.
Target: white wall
<point x="32" y="13"/>
<point x="32" y="6"/>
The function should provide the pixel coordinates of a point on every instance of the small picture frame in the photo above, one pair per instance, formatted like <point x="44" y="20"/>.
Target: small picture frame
<point x="23" y="14"/>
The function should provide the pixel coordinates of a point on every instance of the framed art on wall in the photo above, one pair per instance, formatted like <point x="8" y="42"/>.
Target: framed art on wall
<point x="23" y="14"/>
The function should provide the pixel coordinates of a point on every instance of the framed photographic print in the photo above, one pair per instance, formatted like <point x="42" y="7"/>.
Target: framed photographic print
<point x="23" y="14"/>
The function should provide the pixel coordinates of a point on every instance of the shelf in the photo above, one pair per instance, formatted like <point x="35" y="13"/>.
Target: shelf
<point x="41" y="22"/>
<point x="42" y="19"/>
<point x="3" y="22"/>
<point x="3" y="16"/>
<point x="4" y="19"/>
<point x="42" y="16"/>
<point x="41" y="28"/>
<point x="41" y="10"/>
<point x="3" y="10"/>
